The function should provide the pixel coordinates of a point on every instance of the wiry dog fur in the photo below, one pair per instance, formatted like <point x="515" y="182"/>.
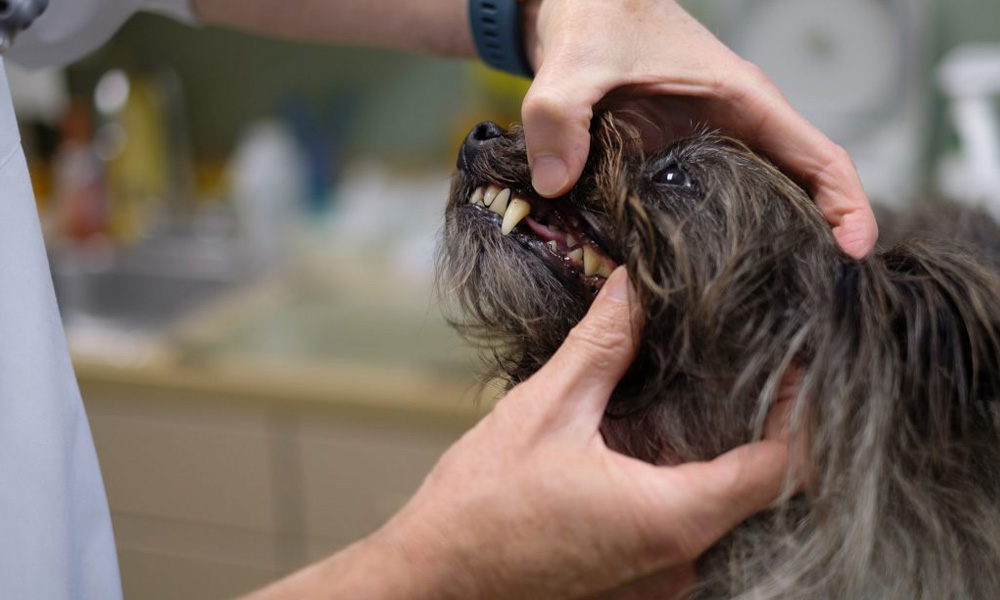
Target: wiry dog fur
<point x="739" y="278"/>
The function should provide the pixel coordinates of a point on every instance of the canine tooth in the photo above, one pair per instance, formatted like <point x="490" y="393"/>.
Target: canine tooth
<point x="576" y="255"/>
<point x="490" y="194"/>
<point x="570" y="240"/>
<point x="499" y="205"/>
<point x="605" y="269"/>
<point x="516" y="212"/>
<point x="477" y="196"/>
<point x="591" y="261"/>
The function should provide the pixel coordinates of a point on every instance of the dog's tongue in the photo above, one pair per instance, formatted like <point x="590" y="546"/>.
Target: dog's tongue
<point x="544" y="232"/>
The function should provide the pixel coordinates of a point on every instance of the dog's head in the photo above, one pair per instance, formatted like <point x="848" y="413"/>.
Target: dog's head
<point x="727" y="256"/>
<point x="739" y="279"/>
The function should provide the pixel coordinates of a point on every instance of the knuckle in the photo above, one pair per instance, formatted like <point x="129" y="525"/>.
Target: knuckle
<point x="686" y="550"/>
<point x="837" y="164"/>
<point x="753" y="75"/>
<point x="544" y="102"/>
<point x="599" y="337"/>
<point x="842" y="157"/>
<point x="748" y="79"/>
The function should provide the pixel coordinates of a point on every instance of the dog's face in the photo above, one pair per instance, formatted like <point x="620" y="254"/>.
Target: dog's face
<point x="709" y="232"/>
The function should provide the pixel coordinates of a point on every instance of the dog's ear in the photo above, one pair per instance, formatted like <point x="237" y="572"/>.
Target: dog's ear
<point x="903" y="388"/>
<point x="913" y="345"/>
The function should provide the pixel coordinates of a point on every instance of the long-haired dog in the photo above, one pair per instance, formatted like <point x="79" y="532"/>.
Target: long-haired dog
<point x="740" y="280"/>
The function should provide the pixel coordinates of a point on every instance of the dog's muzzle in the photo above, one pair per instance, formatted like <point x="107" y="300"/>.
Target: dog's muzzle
<point x="479" y="137"/>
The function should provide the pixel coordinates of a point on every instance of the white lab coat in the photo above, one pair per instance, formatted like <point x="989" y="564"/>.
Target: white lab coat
<point x="55" y="531"/>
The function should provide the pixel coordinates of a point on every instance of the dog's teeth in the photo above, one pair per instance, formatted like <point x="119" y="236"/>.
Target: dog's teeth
<point x="499" y="204"/>
<point x="576" y="256"/>
<point x="477" y="196"/>
<point x="591" y="261"/>
<point x="490" y="194"/>
<point x="553" y="246"/>
<point x="516" y="212"/>
<point x="605" y="269"/>
<point x="570" y="241"/>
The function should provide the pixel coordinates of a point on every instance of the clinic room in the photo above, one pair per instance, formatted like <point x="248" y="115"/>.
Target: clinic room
<point x="268" y="264"/>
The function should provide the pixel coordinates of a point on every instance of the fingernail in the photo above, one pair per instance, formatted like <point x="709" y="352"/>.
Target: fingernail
<point x="548" y="174"/>
<point x="617" y="286"/>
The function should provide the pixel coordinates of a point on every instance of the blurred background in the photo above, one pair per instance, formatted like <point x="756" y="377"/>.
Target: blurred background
<point x="241" y="234"/>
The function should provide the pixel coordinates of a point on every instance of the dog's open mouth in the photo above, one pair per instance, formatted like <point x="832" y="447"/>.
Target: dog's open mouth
<point x="566" y="236"/>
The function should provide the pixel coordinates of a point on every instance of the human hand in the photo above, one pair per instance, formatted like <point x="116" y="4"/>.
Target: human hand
<point x="653" y="60"/>
<point x="532" y="504"/>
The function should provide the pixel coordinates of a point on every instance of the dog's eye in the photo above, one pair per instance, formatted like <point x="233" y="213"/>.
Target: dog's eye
<point x="674" y="175"/>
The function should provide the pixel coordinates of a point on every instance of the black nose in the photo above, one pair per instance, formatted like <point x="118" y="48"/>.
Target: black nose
<point x="477" y="139"/>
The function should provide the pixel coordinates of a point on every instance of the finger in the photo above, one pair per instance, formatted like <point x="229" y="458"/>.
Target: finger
<point x="787" y="423"/>
<point x="782" y="420"/>
<point x="803" y="151"/>
<point x="579" y="378"/>
<point x="674" y="583"/>
<point x="778" y="425"/>
<point x="720" y="494"/>
<point x="556" y="114"/>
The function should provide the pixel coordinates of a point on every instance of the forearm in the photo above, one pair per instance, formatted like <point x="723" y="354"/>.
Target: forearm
<point x="430" y="26"/>
<point x="360" y="572"/>
<point x="405" y="560"/>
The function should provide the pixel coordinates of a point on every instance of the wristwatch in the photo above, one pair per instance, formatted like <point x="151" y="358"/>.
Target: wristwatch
<point x="496" y="29"/>
<point x="16" y="16"/>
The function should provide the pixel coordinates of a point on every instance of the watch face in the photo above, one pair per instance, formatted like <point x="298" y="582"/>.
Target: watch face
<point x="839" y="62"/>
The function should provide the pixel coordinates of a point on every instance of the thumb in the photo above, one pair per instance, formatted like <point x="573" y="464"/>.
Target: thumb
<point x="556" y="114"/>
<point x="581" y="375"/>
<point x="720" y="494"/>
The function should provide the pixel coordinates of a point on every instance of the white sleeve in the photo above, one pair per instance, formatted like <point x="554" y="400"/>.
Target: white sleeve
<point x="69" y="29"/>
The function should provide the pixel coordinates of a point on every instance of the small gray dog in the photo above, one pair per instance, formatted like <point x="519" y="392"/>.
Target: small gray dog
<point x="740" y="279"/>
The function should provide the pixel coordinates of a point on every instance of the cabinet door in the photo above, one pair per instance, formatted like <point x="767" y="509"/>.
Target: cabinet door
<point x="186" y="460"/>
<point x="358" y="473"/>
<point x="165" y="560"/>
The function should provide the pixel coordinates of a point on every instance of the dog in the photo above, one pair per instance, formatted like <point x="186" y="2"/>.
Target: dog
<point x="740" y="281"/>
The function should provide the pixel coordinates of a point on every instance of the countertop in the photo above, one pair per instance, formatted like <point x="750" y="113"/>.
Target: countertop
<point x="346" y="337"/>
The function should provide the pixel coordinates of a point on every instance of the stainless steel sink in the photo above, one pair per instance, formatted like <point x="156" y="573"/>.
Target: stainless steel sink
<point x="132" y="301"/>
<point x="146" y="288"/>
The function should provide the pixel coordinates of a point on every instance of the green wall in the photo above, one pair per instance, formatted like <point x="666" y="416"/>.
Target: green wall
<point x="403" y="108"/>
<point x="383" y="102"/>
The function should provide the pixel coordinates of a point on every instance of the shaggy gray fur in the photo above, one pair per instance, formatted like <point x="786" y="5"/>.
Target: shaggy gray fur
<point x="739" y="277"/>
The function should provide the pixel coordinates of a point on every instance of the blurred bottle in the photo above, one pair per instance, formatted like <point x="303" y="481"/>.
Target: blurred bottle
<point x="77" y="190"/>
<point x="268" y="178"/>
<point x="306" y="126"/>
<point x="41" y="99"/>
<point x="181" y="194"/>
<point x="969" y="75"/>
<point x="132" y="140"/>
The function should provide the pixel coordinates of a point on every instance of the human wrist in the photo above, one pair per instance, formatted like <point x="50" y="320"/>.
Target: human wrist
<point x="529" y="31"/>
<point x="383" y="566"/>
<point x="410" y="558"/>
